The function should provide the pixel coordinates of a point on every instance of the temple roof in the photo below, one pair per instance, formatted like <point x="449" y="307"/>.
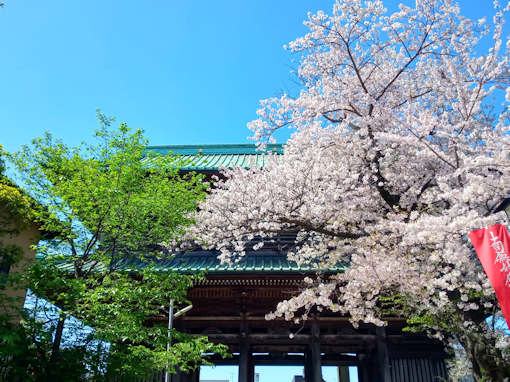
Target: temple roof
<point x="253" y="262"/>
<point x="215" y="157"/>
<point x="259" y="262"/>
<point x="211" y="158"/>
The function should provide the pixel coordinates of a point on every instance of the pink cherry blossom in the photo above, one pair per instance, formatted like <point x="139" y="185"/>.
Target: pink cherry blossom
<point x="401" y="146"/>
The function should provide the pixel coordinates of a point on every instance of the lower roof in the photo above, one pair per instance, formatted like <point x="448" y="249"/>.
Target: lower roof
<point x="261" y="262"/>
<point x="254" y="262"/>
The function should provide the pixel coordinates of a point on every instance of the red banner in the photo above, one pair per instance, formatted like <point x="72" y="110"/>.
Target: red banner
<point x="492" y="246"/>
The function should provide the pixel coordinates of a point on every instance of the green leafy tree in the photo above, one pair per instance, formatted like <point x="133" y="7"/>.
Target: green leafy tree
<point x="114" y="206"/>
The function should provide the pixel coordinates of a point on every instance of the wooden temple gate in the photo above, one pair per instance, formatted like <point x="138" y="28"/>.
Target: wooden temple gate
<point x="230" y="304"/>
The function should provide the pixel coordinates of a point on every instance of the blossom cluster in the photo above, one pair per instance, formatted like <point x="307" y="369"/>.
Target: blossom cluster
<point x="398" y="151"/>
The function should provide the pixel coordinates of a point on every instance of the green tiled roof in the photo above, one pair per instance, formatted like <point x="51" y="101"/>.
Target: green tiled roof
<point x="212" y="158"/>
<point x="260" y="262"/>
<point x="215" y="157"/>
<point x="252" y="262"/>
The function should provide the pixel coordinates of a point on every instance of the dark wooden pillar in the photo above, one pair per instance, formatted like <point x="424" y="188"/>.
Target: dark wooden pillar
<point x="315" y="351"/>
<point x="375" y="363"/>
<point x="307" y="369"/>
<point x="383" y="359"/>
<point x="245" y="363"/>
<point x="364" y="368"/>
<point x="313" y="370"/>
<point x="343" y="374"/>
<point x="246" y="372"/>
<point x="308" y="365"/>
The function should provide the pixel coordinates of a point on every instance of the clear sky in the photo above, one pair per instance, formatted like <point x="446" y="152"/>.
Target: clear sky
<point x="271" y="373"/>
<point x="185" y="71"/>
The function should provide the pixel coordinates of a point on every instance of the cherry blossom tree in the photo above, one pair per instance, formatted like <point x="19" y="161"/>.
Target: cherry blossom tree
<point x="400" y="147"/>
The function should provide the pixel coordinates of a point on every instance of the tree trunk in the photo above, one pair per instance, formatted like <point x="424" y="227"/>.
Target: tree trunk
<point x="55" y="349"/>
<point x="488" y="362"/>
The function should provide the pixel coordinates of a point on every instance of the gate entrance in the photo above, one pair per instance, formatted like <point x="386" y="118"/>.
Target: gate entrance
<point x="230" y="304"/>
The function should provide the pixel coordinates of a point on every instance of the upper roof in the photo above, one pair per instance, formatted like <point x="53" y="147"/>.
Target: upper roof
<point x="216" y="157"/>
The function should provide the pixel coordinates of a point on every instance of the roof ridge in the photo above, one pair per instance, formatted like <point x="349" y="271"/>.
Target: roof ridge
<point x="213" y="145"/>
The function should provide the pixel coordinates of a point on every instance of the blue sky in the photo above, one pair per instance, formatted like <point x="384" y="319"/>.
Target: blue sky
<point x="185" y="71"/>
<point x="271" y="373"/>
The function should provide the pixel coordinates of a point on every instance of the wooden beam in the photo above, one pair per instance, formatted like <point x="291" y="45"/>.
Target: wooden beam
<point x="262" y="318"/>
<point x="289" y="359"/>
<point x="301" y="339"/>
